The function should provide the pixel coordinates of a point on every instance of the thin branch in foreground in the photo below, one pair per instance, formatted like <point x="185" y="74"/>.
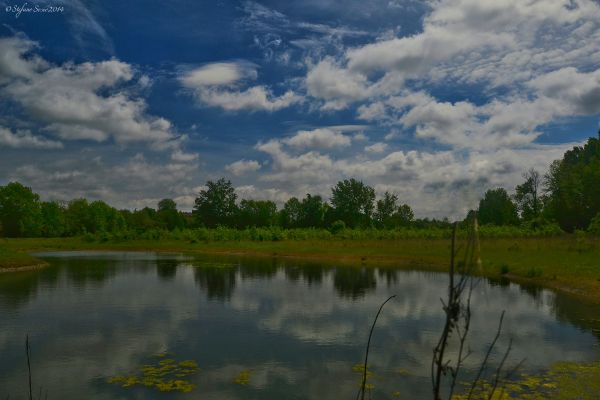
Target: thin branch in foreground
<point x="361" y="392"/>
<point x="484" y="363"/>
<point x="28" y="351"/>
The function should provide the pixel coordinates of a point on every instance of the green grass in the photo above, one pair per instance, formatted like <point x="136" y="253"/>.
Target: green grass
<point x="570" y="263"/>
<point x="15" y="260"/>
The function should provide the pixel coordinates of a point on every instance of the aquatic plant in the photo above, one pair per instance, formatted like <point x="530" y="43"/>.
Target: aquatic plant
<point x="243" y="378"/>
<point x="564" y="380"/>
<point x="166" y="375"/>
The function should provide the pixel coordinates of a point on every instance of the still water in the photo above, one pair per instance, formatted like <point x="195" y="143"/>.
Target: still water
<point x="289" y="329"/>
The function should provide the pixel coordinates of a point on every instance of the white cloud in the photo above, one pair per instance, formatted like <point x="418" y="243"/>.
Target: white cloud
<point x="222" y="73"/>
<point x="322" y="138"/>
<point x="218" y="85"/>
<point x="80" y="101"/>
<point x="336" y="85"/>
<point x="242" y="167"/>
<point x="23" y="139"/>
<point x="376" y="148"/>
<point x="256" y="98"/>
<point x="180" y="156"/>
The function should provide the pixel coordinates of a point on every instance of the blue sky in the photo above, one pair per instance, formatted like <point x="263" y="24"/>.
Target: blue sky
<point x="436" y="101"/>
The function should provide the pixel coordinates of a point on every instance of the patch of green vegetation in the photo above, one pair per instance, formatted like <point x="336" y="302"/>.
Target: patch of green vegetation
<point x="565" y="380"/>
<point x="360" y="369"/>
<point x="166" y="375"/>
<point x="11" y="259"/>
<point x="243" y="378"/>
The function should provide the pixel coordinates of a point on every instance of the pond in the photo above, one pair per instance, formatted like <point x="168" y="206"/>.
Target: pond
<point x="256" y="328"/>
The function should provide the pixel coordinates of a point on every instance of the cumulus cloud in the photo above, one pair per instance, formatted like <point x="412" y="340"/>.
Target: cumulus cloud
<point x="80" y="101"/>
<point x="218" y="85"/>
<point x="221" y="73"/>
<point x="242" y="167"/>
<point x="23" y="139"/>
<point x="252" y="99"/>
<point x="323" y="138"/>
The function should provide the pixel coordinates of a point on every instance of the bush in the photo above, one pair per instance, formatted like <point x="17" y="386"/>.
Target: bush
<point x="337" y="227"/>
<point x="594" y="227"/>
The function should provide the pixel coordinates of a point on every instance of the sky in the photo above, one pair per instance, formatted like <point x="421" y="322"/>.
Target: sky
<point x="436" y="101"/>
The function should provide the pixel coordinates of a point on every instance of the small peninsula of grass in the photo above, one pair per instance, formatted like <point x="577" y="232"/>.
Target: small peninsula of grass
<point x="570" y="263"/>
<point x="11" y="260"/>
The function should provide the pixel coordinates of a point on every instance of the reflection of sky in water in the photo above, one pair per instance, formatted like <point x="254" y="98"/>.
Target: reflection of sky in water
<point x="298" y="327"/>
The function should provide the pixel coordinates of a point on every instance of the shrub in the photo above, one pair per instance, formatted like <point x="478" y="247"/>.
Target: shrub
<point x="594" y="227"/>
<point x="337" y="227"/>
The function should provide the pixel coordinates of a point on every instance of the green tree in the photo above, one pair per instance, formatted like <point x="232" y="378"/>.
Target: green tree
<point x="142" y="220"/>
<point x="168" y="216"/>
<point x="257" y="213"/>
<point x="496" y="208"/>
<point x="53" y="220"/>
<point x="312" y="212"/>
<point x="20" y="211"/>
<point x="573" y="187"/>
<point x="527" y="196"/>
<point x="385" y="209"/>
<point x="290" y="214"/>
<point x="78" y="217"/>
<point x="352" y="202"/>
<point x="403" y="216"/>
<point x="104" y="218"/>
<point x="215" y="205"/>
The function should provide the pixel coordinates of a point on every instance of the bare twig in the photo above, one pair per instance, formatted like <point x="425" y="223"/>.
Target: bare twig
<point x="499" y="369"/>
<point x="28" y="351"/>
<point x="361" y="393"/>
<point x="483" y="365"/>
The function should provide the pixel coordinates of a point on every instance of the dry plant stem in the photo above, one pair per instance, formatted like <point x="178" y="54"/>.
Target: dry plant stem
<point x="364" y="380"/>
<point x="438" y="354"/>
<point x="27" y="349"/>
<point x="487" y="356"/>
<point x="497" y="377"/>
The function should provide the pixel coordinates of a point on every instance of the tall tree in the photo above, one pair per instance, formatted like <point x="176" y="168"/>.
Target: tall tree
<point x="290" y="214"/>
<point x="312" y="212"/>
<point x="168" y="216"/>
<point x="403" y="216"/>
<point x="496" y="208"/>
<point x="527" y="195"/>
<point x="573" y="186"/>
<point x="352" y="201"/>
<point x="215" y="205"/>
<point x="20" y="211"/>
<point x="78" y="217"/>
<point x="53" y="223"/>
<point x="385" y="209"/>
<point x="257" y="213"/>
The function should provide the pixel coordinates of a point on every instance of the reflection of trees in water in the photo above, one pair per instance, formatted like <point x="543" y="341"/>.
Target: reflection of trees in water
<point x="311" y="274"/>
<point x="217" y="281"/>
<point x="166" y="270"/>
<point x="389" y="274"/>
<point x="586" y="316"/>
<point x="354" y="282"/>
<point x="260" y="268"/>
<point x="86" y="271"/>
<point x="18" y="288"/>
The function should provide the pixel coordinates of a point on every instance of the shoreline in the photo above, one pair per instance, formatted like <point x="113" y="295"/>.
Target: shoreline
<point x="573" y="272"/>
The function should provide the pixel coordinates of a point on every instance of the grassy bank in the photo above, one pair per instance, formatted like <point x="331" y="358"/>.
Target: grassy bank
<point x="567" y="263"/>
<point x="11" y="260"/>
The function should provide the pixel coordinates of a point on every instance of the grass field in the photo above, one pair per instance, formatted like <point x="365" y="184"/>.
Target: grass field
<point x="568" y="263"/>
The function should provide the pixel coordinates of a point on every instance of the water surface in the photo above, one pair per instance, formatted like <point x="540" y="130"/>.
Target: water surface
<point x="298" y="327"/>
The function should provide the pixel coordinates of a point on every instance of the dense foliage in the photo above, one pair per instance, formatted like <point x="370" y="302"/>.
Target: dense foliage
<point x="573" y="185"/>
<point x="568" y="199"/>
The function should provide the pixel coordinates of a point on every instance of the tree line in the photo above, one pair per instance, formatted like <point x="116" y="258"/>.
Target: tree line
<point x="568" y="194"/>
